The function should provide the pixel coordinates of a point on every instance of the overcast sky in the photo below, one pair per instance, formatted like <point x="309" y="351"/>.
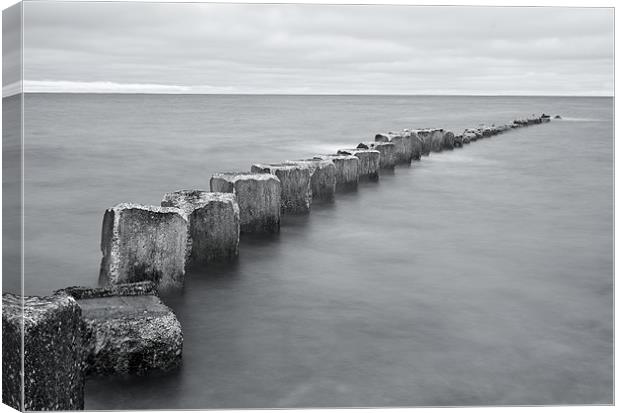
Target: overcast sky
<point x="227" y="48"/>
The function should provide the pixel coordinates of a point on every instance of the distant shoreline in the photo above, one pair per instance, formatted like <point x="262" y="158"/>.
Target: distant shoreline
<point x="308" y="94"/>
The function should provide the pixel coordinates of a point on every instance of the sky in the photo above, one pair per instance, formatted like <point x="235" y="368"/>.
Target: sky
<point x="316" y="49"/>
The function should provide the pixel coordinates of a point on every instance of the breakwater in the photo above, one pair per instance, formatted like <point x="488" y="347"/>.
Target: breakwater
<point x="239" y="200"/>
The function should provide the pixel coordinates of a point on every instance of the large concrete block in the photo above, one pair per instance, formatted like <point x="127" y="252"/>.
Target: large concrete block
<point x="213" y="224"/>
<point x="369" y="160"/>
<point x="472" y="134"/>
<point x="533" y="120"/>
<point x="322" y="177"/>
<point x="425" y="136"/>
<point x="382" y="137"/>
<point x="128" y="330"/>
<point x="387" y="158"/>
<point x="258" y="196"/>
<point x="448" y="140"/>
<point x="402" y="145"/>
<point x="416" y="144"/>
<point x="437" y="141"/>
<point x="143" y="243"/>
<point x="347" y="170"/>
<point x="296" y="193"/>
<point x="53" y="353"/>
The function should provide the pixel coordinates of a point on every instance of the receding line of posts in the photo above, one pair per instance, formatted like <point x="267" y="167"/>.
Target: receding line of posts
<point x="148" y="249"/>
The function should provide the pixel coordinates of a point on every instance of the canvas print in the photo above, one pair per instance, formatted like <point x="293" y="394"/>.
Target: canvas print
<point x="228" y="205"/>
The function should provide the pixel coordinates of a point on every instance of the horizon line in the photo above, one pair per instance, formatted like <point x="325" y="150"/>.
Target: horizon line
<point x="304" y="94"/>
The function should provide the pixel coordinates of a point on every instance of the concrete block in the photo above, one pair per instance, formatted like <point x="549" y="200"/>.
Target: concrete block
<point x="448" y="140"/>
<point x="296" y="193"/>
<point x="437" y="140"/>
<point x="416" y="144"/>
<point x="472" y="134"/>
<point x="143" y="243"/>
<point x="128" y="330"/>
<point x="213" y="224"/>
<point x="402" y="145"/>
<point x="258" y="198"/>
<point x="322" y="177"/>
<point x="425" y="136"/>
<point x="369" y="160"/>
<point x="53" y="353"/>
<point x="387" y="150"/>
<point x="347" y="170"/>
<point x="382" y="137"/>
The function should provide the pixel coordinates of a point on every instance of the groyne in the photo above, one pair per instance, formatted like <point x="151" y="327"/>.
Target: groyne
<point x="258" y="197"/>
<point x="127" y="330"/>
<point x="122" y="327"/>
<point x="213" y="224"/>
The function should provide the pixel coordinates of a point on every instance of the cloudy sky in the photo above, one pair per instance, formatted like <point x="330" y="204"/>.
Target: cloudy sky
<point x="233" y="48"/>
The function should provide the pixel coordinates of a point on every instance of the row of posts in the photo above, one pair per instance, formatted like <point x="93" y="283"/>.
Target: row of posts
<point x="196" y="227"/>
<point x="52" y="344"/>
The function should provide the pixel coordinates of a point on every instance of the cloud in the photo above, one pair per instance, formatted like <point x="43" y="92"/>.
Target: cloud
<point x="294" y="48"/>
<point x="46" y="86"/>
<point x="53" y="86"/>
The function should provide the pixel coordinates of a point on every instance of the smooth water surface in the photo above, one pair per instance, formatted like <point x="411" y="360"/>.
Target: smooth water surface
<point x="478" y="276"/>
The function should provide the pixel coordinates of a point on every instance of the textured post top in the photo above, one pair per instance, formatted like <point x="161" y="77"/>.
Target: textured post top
<point x="148" y="208"/>
<point x="410" y="133"/>
<point x="427" y="130"/>
<point x="387" y="136"/>
<point x="34" y="309"/>
<point x="128" y="289"/>
<point x="240" y="176"/>
<point x="338" y="156"/>
<point x="352" y="152"/>
<point x="380" y="144"/>
<point x="189" y="200"/>
<point x="312" y="162"/>
<point x="193" y="195"/>
<point x="282" y="166"/>
<point x="113" y="308"/>
<point x="309" y="160"/>
<point x="186" y="194"/>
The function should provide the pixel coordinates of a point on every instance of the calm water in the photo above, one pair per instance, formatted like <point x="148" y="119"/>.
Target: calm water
<point x="477" y="276"/>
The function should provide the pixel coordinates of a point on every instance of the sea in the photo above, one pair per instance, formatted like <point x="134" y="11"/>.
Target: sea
<point x="478" y="276"/>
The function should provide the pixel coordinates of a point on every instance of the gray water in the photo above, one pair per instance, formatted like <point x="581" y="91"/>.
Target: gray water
<point x="478" y="276"/>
